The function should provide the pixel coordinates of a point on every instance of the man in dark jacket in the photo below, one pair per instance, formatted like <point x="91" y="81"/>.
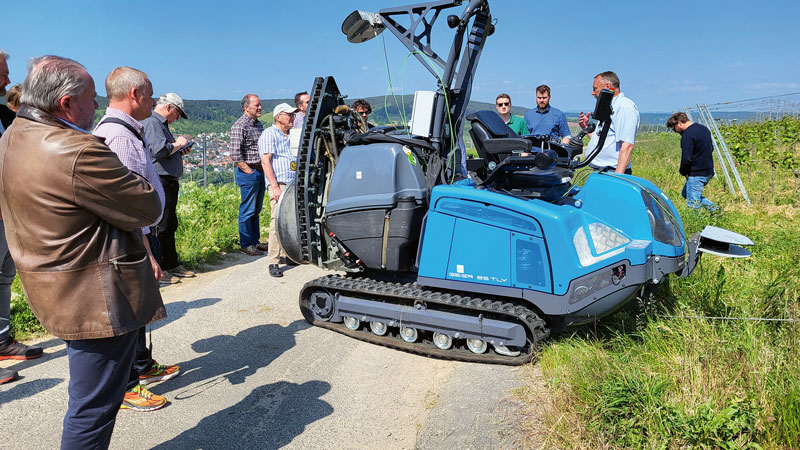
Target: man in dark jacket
<point x="9" y="348"/>
<point x="167" y="153"/>
<point x="73" y="226"/>
<point x="697" y="161"/>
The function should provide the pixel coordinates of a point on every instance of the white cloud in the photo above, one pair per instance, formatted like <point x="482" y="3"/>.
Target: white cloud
<point x="734" y="65"/>
<point x="364" y="67"/>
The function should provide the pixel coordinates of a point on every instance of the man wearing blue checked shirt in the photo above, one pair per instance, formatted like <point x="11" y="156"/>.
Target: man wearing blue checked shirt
<point x="279" y="170"/>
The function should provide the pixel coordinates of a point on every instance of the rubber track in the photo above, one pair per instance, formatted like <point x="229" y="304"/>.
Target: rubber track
<point x="410" y="292"/>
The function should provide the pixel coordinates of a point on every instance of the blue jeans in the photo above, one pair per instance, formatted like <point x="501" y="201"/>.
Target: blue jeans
<point x="252" y="187"/>
<point x="98" y="373"/>
<point x="693" y="193"/>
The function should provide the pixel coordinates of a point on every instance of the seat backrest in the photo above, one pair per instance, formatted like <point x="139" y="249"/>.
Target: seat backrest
<point x="487" y="125"/>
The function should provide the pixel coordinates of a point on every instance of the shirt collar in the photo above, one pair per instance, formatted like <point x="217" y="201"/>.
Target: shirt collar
<point x="114" y="112"/>
<point x="71" y="125"/>
<point x="160" y="118"/>
<point x="543" y="111"/>
<point x="249" y="119"/>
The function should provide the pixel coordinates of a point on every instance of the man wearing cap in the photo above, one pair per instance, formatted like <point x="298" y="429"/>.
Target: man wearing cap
<point x="167" y="154"/>
<point x="279" y="170"/>
<point x="249" y="174"/>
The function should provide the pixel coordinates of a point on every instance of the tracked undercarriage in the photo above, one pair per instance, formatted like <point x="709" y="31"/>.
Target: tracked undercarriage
<point x="449" y="325"/>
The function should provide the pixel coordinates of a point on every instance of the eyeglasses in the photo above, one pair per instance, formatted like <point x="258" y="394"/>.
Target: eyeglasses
<point x="504" y="104"/>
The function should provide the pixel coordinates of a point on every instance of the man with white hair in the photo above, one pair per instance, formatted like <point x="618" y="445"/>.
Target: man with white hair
<point x="73" y="227"/>
<point x="9" y="348"/>
<point x="279" y="169"/>
<point x="167" y="153"/>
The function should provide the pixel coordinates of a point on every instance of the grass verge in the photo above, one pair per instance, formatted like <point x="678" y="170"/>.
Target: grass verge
<point x="645" y="378"/>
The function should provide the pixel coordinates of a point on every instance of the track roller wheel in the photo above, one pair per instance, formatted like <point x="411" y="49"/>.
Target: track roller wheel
<point x="320" y="303"/>
<point x="351" y="322"/>
<point x="409" y="334"/>
<point x="477" y="346"/>
<point x="378" y="328"/>
<point x="442" y="341"/>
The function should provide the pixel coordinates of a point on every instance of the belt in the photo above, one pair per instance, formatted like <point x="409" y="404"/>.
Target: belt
<point x="255" y="166"/>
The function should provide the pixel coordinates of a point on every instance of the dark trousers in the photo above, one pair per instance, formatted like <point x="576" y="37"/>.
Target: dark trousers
<point x="98" y="373"/>
<point x="142" y="359"/>
<point x="165" y="231"/>
<point x="252" y="187"/>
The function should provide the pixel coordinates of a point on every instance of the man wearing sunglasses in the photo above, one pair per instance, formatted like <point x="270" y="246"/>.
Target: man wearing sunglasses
<point x="503" y="105"/>
<point x="279" y="170"/>
<point x="546" y="120"/>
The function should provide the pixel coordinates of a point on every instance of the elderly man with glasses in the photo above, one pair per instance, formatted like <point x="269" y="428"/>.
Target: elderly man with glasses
<point x="279" y="170"/>
<point x="503" y="105"/>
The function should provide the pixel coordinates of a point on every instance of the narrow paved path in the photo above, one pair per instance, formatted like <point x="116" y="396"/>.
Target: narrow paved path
<point x="255" y="375"/>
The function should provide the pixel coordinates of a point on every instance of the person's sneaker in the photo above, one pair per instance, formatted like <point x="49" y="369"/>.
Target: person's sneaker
<point x="262" y="246"/>
<point x="159" y="372"/>
<point x="11" y="349"/>
<point x="140" y="399"/>
<point x="182" y="272"/>
<point x="168" y="278"/>
<point x="252" y="251"/>
<point x="7" y="375"/>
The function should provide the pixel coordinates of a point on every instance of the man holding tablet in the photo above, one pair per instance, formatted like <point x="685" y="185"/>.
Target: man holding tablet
<point x="167" y="154"/>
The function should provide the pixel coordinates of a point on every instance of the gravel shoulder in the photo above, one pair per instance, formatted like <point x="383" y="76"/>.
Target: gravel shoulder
<point x="254" y="374"/>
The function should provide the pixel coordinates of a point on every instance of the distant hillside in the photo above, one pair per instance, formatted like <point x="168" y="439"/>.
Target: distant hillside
<point x="218" y="115"/>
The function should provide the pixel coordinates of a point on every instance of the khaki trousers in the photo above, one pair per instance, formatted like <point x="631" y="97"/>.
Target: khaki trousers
<point x="275" y="250"/>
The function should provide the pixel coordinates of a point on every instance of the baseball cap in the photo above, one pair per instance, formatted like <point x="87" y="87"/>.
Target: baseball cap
<point x="176" y="101"/>
<point x="284" y="108"/>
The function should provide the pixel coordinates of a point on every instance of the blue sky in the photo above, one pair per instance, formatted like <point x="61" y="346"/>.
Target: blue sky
<point x="668" y="55"/>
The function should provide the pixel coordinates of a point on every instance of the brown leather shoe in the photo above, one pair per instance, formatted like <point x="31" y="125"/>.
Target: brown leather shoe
<point x="168" y="278"/>
<point x="252" y="251"/>
<point x="262" y="246"/>
<point x="182" y="272"/>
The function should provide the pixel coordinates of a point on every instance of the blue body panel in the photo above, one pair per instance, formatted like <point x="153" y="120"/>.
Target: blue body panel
<point x="478" y="236"/>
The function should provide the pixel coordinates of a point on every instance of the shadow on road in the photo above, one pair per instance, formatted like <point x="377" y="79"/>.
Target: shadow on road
<point x="21" y="389"/>
<point x="231" y="358"/>
<point x="176" y="310"/>
<point x="269" y="417"/>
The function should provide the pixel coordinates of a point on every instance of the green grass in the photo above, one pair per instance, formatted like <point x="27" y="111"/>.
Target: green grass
<point x="642" y="380"/>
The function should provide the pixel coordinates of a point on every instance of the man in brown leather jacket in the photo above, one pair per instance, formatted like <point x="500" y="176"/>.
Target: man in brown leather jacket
<point x="73" y="215"/>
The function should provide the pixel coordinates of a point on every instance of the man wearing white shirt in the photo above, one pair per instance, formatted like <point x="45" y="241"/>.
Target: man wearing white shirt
<point x="618" y="146"/>
<point x="279" y="170"/>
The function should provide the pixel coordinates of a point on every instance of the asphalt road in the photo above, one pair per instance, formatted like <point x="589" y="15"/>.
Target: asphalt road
<point x="254" y="374"/>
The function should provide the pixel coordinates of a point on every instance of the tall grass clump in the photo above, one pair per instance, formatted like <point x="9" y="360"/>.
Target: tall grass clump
<point x="209" y="222"/>
<point x="661" y="377"/>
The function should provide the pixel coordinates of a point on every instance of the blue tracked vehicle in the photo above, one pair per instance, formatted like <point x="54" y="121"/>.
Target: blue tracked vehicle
<point x="478" y="267"/>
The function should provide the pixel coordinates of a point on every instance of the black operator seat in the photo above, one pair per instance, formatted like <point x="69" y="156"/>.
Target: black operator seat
<point x="495" y="142"/>
<point x="493" y="139"/>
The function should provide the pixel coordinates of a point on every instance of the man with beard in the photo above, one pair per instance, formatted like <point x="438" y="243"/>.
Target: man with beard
<point x="546" y="120"/>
